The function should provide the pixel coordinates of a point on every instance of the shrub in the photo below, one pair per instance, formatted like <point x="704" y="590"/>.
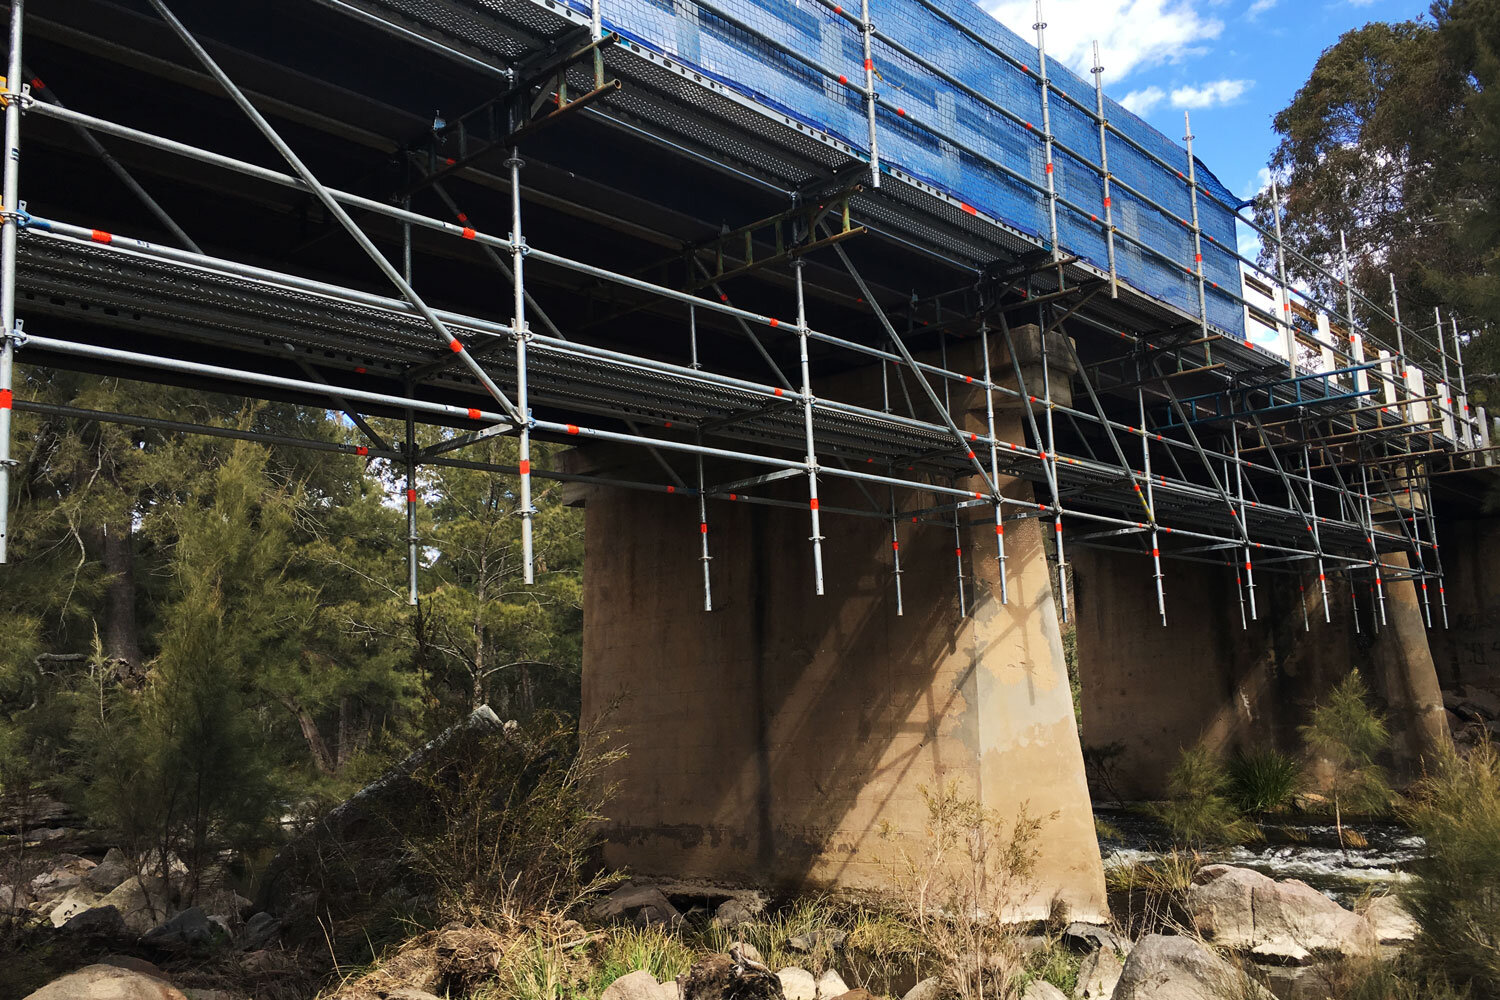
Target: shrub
<point x="1199" y="811"/>
<point x="1263" y="781"/>
<point x="1347" y="732"/>
<point x="974" y="871"/>
<point x="1455" y="892"/>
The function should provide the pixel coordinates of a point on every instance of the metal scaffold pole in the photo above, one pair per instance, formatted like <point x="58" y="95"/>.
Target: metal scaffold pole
<point x="1239" y="485"/>
<point x="1041" y="56"/>
<point x="1400" y="376"/>
<point x="866" y="29"/>
<point x="1284" y="314"/>
<point x="412" y="541"/>
<point x="1104" y="175"/>
<point x="336" y="210"/>
<point x="1051" y="456"/>
<point x="1379" y="587"/>
<point x="523" y="335"/>
<point x="10" y="205"/>
<point x="1463" y="382"/>
<point x="807" y="424"/>
<point x="989" y="413"/>
<point x="1150" y="500"/>
<point x="1192" y="182"/>
<point x="704" y="558"/>
<point x="1313" y="520"/>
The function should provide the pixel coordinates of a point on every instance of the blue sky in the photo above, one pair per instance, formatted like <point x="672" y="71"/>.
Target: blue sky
<point x="1231" y="63"/>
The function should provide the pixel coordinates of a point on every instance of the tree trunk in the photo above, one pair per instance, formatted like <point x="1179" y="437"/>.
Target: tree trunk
<point x="315" y="742"/>
<point x="122" y="640"/>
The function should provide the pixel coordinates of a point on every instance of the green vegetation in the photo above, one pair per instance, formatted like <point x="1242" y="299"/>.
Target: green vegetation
<point x="1455" y="895"/>
<point x="1199" y="810"/>
<point x="1263" y="781"/>
<point x="1347" y="733"/>
<point x="1394" y="140"/>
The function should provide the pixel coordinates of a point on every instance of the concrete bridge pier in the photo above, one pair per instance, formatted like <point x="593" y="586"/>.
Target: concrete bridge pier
<point x="1149" y="692"/>
<point x="784" y="739"/>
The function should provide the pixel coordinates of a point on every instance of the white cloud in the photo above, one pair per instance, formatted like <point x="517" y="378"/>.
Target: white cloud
<point x="1132" y="34"/>
<point x="1261" y="181"/>
<point x="1258" y="8"/>
<point x="1210" y="94"/>
<point x="1142" y="101"/>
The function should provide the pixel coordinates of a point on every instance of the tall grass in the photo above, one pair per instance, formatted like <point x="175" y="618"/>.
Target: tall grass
<point x="1263" y="781"/>
<point x="1455" y="894"/>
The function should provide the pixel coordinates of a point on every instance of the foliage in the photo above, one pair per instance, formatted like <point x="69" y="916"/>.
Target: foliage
<point x="1393" y="141"/>
<point x="1199" y="810"/>
<point x="1455" y="892"/>
<point x="512" y="821"/>
<point x="1171" y="873"/>
<point x="1263" y="781"/>
<point x="961" y="894"/>
<point x="1346" y="731"/>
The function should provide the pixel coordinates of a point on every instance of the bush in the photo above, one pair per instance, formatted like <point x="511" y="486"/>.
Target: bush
<point x="1199" y="810"/>
<point x="1349" y="734"/>
<point x="1263" y="781"/>
<point x="1455" y="893"/>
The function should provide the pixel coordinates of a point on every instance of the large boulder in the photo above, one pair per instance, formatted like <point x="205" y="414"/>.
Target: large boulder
<point x="1162" y="967"/>
<point x="644" y="905"/>
<point x="830" y="985"/>
<point x="260" y="930"/>
<point x="109" y="873"/>
<point x="928" y="989"/>
<point x="1243" y="910"/>
<point x="798" y="984"/>
<point x="73" y="902"/>
<point x="1040" y="989"/>
<point x="96" y="922"/>
<point x="1097" y="975"/>
<point x="1389" y="921"/>
<point x="640" y="985"/>
<point x="107" y="982"/>
<point x="143" y="903"/>
<point x="189" y="929"/>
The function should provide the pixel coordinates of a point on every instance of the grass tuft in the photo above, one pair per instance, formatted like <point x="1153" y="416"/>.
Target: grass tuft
<point x="1263" y="781"/>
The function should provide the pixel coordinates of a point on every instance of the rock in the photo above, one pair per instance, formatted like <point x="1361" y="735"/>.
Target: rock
<point x="1032" y="944"/>
<point x="1243" y="910"/>
<point x="107" y="982"/>
<point x="746" y="953"/>
<point x="135" y="964"/>
<point x="224" y="902"/>
<point x="143" y="904"/>
<point x="97" y="921"/>
<point x="260" y="930"/>
<point x="858" y="994"/>
<point x="110" y="872"/>
<point x="11" y="899"/>
<point x="798" y="984"/>
<point x="1090" y="937"/>
<point x="1040" y="989"/>
<point x="831" y="984"/>
<point x="1162" y="967"/>
<point x="74" y="902"/>
<point x="1389" y="920"/>
<point x="733" y="912"/>
<point x="412" y="993"/>
<point x="830" y="937"/>
<point x="1311" y="802"/>
<point x="670" y="990"/>
<point x="928" y="989"/>
<point x="187" y="930"/>
<point x="719" y="977"/>
<point x="1098" y="975"/>
<point x="645" y="905"/>
<point x="54" y="884"/>
<point x="1487" y="702"/>
<point x="640" y="985"/>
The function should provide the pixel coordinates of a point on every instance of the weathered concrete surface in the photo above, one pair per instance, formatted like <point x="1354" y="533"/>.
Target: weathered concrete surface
<point x="1468" y="651"/>
<point x="1206" y="678"/>
<point x="785" y="738"/>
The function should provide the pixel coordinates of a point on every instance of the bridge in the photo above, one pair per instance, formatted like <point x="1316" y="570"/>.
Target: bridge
<point x="887" y="352"/>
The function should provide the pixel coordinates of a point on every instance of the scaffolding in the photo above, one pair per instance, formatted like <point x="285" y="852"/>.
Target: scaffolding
<point x="1188" y="443"/>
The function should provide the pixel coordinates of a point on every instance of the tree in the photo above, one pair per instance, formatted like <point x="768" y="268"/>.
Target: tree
<point x="1393" y="142"/>
<point x="1349" y="734"/>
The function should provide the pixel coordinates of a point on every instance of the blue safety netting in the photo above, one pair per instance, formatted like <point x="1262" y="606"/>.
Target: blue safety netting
<point x="944" y="135"/>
